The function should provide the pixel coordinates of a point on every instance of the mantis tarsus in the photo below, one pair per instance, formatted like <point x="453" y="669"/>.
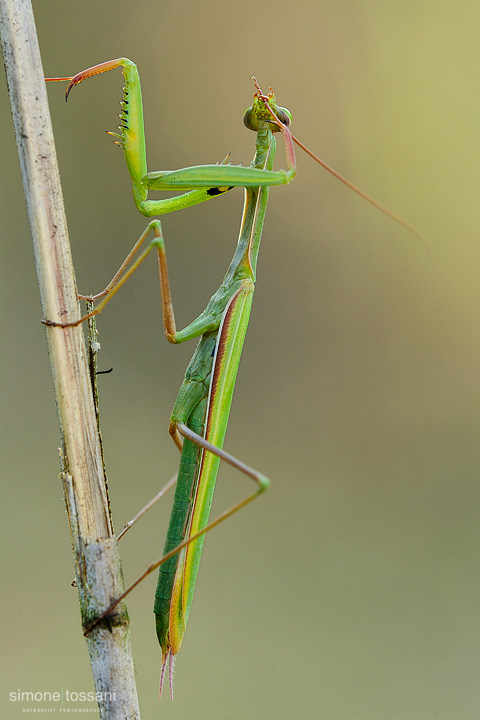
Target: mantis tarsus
<point x="200" y="415"/>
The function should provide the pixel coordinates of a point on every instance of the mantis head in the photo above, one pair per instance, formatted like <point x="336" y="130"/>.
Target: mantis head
<point x="266" y="110"/>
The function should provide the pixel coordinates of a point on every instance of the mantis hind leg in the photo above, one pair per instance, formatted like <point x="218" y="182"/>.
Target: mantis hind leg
<point x="171" y="625"/>
<point x="168" y="654"/>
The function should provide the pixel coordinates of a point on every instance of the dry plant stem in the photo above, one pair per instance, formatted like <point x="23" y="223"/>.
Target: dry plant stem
<point x="98" y="571"/>
<point x="92" y="356"/>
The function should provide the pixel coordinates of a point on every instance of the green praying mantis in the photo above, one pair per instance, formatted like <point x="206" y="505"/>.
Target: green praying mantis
<point x="199" y="419"/>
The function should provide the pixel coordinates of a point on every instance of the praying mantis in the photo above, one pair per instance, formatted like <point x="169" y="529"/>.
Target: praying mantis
<point x="199" y="419"/>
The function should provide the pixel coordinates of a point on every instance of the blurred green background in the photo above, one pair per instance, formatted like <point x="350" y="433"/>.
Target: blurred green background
<point x="351" y="589"/>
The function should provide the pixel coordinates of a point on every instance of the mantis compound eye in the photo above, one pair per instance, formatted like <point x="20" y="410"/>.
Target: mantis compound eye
<point x="247" y="119"/>
<point x="283" y="115"/>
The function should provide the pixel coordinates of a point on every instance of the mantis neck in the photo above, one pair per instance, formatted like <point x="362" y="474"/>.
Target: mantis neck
<point x="244" y="262"/>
